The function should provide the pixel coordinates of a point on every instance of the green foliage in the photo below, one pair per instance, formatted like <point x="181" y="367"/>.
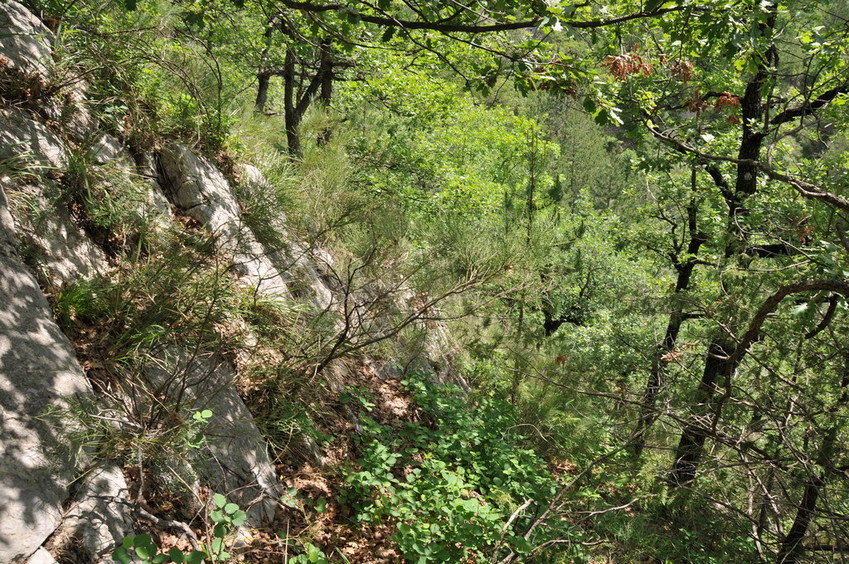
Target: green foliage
<point x="142" y="549"/>
<point x="112" y="204"/>
<point x="226" y="517"/>
<point x="450" y="483"/>
<point x="122" y="322"/>
<point x="312" y="555"/>
<point x="179" y="298"/>
<point x="610" y="237"/>
<point x="439" y="151"/>
<point x="155" y="70"/>
<point x="195" y="437"/>
<point x="678" y="531"/>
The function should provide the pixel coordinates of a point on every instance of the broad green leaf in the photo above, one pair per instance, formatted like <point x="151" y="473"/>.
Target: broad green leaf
<point x="195" y="557"/>
<point x="522" y="546"/>
<point x="122" y="555"/>
<point x="239" y="518"/>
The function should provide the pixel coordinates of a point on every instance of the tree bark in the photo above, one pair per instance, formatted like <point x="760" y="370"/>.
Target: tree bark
<point x="264" y="74"/>
<point x="291" y="116"/>
<point x="655" y="382"/>
<point x="791" y="547"/>
<point x="296" y="105"/>
<point x="263" y="82"/>
<point x="720" y="364"/>
<point x="325" y="73"/>
<point x="722" y="359"/>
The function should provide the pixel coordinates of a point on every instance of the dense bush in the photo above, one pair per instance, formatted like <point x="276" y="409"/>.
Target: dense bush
<point x="456" y="484"/>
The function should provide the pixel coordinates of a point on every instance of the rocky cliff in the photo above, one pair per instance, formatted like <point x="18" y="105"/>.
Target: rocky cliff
<point x="92" y="389"/>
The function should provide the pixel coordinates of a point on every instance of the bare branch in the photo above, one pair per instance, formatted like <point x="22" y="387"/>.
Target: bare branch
<point x="443" y="27"/>
<point x="803" y="187"/>
<point x="836" y="286"/>
<point x="810" y="107"/>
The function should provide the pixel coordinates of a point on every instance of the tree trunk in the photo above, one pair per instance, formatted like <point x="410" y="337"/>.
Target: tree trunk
<point x="325" y="71"/>
<point x="720" y="364"/>
<point x="655" y="382"/>
<point x="326" y="76"/>
<point x="264" y="81"/>
<point x="721" y="360"/>
<point x="321" y="84"/>
<point x="791" y="547"/>
<point x="291" y="116"/>
<point x="264" y="75"/>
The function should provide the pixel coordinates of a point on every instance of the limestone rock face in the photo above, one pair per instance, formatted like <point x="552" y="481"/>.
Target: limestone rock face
<point x="101" y="514"/>
<point x="41" y="556"/>
<point x="202" y="192"/>
<point x="63" y="250"/>
<point x="38" y="371"/>
<point x="299" y="265"/>
<point x="107" y="149"/>
<point x="26" y="41"/>
<point x="30" y="144"/>
<point x="234" y="460"/>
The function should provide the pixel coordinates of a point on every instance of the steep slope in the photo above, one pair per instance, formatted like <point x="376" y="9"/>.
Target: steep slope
<point x="83" y="462"/>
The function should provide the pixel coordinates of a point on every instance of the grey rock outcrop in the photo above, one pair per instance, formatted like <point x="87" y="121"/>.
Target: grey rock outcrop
<point x="146" y="169"/>
<point x="107" y="149"/>
<point x="41" y="556"/>
<point x="64" y="251"/>
<point x="27" y="71"/>
<point x="60" y="249"/>
<point x="100" y="515"/>
<point x="201" y="191"/>
<point x="30" y="145"/>
<point x="299" y="264"/>
<point x="234" y="459"/>
<point x="26" y="41"/>
<point x="38" y="372"/>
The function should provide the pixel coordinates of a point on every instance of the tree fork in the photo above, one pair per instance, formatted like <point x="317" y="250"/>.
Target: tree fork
<point x="654" y="384"/>
<point x="722" y="360"/>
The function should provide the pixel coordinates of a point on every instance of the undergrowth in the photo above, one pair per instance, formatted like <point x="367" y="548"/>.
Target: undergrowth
<point x="457" y="485"/>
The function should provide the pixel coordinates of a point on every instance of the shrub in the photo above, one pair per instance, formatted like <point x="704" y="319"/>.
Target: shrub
<point x="457" y="485"/>
<point x="226" y="517"/>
